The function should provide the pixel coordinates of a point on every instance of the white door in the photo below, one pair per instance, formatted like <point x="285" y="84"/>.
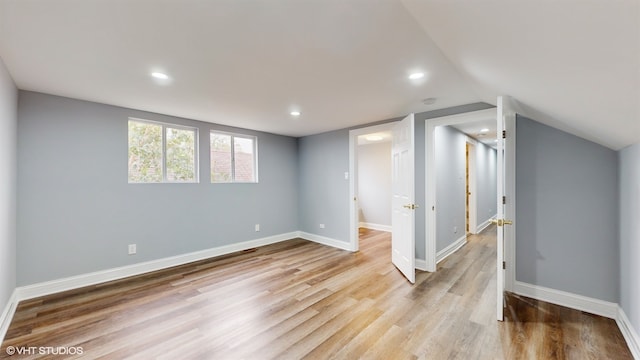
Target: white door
<point x="506" y="119"/>
<point x="403" y="200"/>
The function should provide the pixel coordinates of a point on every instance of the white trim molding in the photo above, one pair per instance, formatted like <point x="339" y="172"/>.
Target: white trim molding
<point x="74" y="282"/>
<point x="421" y="264"/>
<point x="485" y="224"/>
<point x="373" y="226"/>
<point x="7" y="314"/>
<point x="78" y="281"/>
<point x="343" y="245"/>
<point x="453" y="247"/>
<point x="563" y="298"/>
<point x="629" y="333"/>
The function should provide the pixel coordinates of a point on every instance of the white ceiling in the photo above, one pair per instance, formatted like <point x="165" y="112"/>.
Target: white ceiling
<point x="573" y="63"/>
<point x="340" y="62"/>
<point x="473" y="129"/>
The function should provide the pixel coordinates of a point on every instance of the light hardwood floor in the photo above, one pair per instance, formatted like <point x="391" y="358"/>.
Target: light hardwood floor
<point x="298" y="299"/>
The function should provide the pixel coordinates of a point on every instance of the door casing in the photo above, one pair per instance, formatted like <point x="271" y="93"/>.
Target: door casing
<point x="353" y="178"/>
<point x="430" y="176"/>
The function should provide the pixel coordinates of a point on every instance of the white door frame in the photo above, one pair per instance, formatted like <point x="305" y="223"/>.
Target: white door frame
<point x="510" y="190"/>
<point x="353" y="178"/>
<point x="430" y="177"/>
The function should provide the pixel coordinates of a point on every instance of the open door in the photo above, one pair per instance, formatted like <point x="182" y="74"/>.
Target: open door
<point x="506" y="119"/>
<point x="403" y="197"/>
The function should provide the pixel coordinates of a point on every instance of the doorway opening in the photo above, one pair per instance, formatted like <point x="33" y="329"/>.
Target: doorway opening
<point x="403" y="206"/>
<point x="460" y="179"/>
<point x="470" y="200"/>
<point x="373" y="174"/>
<point x="370" y="180"/>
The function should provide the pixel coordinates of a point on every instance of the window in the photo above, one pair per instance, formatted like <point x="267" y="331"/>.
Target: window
<point x="233" y="158"/>
<point x="162" y="153"/>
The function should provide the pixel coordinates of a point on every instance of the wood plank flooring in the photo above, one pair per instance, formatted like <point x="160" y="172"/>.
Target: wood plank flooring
<point x="298" y="299"/>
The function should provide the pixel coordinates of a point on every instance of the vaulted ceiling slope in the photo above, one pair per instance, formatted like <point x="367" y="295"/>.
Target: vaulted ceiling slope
<point x="573" y="63"/>
<point x="339" y="62"/>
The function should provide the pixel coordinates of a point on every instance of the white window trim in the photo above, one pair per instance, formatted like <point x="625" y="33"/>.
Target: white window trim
<point x="233" y="160"/>
<point x="196" y="159"/>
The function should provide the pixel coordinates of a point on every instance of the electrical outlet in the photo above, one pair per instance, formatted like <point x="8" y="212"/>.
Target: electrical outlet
<point x="346" y="176"/>
<point x="455" y="229"/>
<point x="257" y="227"/>
<point x="321" y="226"/>
<point x="132" y="249"/>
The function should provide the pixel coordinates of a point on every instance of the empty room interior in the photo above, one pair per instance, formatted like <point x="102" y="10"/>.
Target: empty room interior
<point x="319" y="179"/>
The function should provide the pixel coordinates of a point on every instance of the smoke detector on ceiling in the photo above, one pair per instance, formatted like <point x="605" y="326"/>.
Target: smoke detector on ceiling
<point x="429" y="101"/>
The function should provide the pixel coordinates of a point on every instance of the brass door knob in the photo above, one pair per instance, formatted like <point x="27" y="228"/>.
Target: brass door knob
<point x="411" y="206"/>
<point x="501" y="222"/>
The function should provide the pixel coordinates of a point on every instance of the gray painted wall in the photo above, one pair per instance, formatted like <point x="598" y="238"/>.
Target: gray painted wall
<point x="486" y="182"/>
<point x="421" y="181"/>
<point x="324" y="194"/>
<point x="450" y="185"/>
<point x="629" y="177"/>
<point x="77" y="213"/>
<point x="8" y="171"/>
<point x="450" y="146"/>
<point x="567" y="212"/>
<point x="374" y="183"/>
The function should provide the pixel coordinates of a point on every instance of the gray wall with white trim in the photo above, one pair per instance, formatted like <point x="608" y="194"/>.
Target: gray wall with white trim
<point x="486" y="183"/>
<point x="323" y="160"/>
<point x="629" y="177"/>
<point x="450" y="161"/>
<point x="8" y="171"/>
<point x="324" y="194"/>
<point x="566" y="212"/>
<point x="77" y="213"/>
<point x="450" y="156"/>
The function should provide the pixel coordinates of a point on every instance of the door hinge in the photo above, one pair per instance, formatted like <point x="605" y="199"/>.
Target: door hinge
<point x="504" y="134"/>
<point x="504" y="200"/>
<point x="504" y="265"/>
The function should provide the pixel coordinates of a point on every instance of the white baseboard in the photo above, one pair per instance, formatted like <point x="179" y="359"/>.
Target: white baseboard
<point x="325" y="240"/>
<point x="563" y="298"/>
<point x="453" y="247"/>
<point x="373" y="226"/>
<point x="7" y="314"/>
<point x="480" y="228"/>
<point x="629" y="333"/>
<point x="74" y="282"/>
<point x="421" y="264"/>
<point x="59" y="285"/>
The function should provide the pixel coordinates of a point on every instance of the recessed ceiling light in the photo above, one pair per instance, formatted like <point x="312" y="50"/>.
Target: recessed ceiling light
<point x="374" y="138"/>
<point x="295" y="113"/>
<point x="416" y="76"/>
<point x="159" y="75"/>
<point x="484" y="130"/>
<point x="496" y="140"/>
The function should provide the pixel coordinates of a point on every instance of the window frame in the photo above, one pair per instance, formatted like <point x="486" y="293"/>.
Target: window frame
<point x="233" y="157"/>
<point x="196" y="157"/>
